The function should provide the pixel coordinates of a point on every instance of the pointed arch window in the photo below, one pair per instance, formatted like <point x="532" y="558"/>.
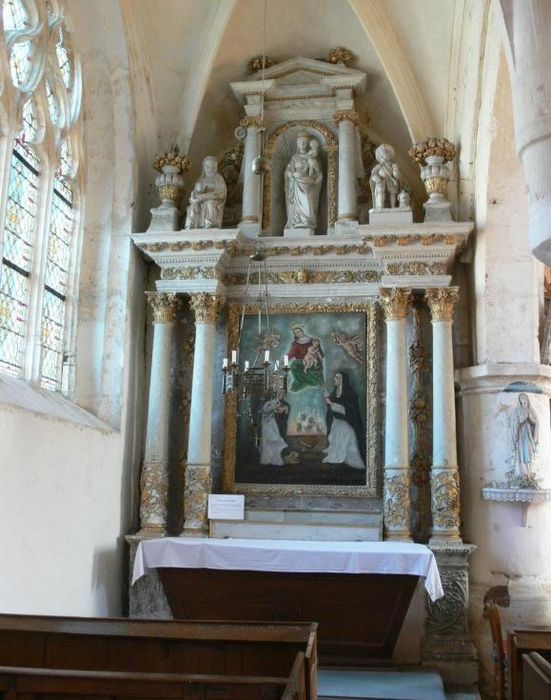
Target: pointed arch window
<point x="40" y="196"/>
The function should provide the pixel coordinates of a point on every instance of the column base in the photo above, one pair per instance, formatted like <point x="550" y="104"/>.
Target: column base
<point x="194" y="532"/>
<point x="198" y="485"/>
<point x="398" y="537"/>
<point x="150" y="532"/>
<point x="250" y="228"/>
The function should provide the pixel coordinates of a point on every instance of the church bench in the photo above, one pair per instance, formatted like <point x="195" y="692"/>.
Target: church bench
<point x="153" y="646"/>
<point x="523" y="641"/>
<point x="536" y="673"/>
<point x="35" y="683"/>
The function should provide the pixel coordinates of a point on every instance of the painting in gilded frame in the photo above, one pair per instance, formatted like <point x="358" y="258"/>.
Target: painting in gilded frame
<point x="318" y="436"/>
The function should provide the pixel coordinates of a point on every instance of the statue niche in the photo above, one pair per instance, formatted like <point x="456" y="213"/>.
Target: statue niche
<point x="298" y="196"/>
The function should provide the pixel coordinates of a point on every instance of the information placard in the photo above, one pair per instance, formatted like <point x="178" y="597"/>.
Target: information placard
<point x="224" y="506"/>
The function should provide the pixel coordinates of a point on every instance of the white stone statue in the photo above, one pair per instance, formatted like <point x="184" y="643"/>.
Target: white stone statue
<point x="206" y="202"/>
<point x="385" y="178"/>
<point x="303" y="178"/>
<point x="525" y="428"/>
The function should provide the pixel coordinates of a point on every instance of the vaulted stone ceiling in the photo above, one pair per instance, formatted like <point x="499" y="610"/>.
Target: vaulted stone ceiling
<point x="184" y="54"/>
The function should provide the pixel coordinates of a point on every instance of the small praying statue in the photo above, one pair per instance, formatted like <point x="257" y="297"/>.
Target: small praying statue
<point x="525" y="429"/>
<point x="206" y="202"/>
<point x="385" y="178"/>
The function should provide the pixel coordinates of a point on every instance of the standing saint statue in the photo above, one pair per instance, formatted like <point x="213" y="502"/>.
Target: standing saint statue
<point x="525" y="427"/>
<point x="303" y="178"/>
<point x="385" y="178"/>
<point x="206" y="202"/>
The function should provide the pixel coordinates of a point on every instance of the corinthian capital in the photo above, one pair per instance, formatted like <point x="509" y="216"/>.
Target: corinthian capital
<point x="164" y="306"/>
<point x="395" y="302"/>
<point x="441" y="301"/>
<point x="206" y="307"/>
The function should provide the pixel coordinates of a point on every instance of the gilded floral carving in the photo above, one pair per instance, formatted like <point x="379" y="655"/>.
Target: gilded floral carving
<point x="446" y="499"/>
<point x="415" y="267"/>
<point x="395" y="302"/>
<point x="198" y="485"/>
<point x="206" y="307"/>
<point x="164" y="306"/>
<point x="396" y="502"/>
<point x="189" y="273"/>
<point x="441" y="301"/>
<point x="154" y="495"/>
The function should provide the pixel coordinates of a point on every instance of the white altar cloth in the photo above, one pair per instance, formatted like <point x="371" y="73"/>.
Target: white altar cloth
<point x="290" y="556"/>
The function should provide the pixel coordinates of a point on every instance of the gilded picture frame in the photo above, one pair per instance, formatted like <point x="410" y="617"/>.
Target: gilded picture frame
<point x="239" y="456"/>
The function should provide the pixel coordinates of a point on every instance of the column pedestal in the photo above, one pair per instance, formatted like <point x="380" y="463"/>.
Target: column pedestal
<point x="397" y="508"/>
<point x="154" y="477"/>
<point x="198" y="478"/>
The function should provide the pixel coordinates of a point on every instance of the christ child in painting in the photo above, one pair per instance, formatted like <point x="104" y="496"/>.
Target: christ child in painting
<point x="314" y="355"/>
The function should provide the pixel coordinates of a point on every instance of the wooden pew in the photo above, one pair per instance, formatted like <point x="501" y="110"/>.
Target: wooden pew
<point x="536" y="681"/>
<point x="522" y="641"/>
<point x="27" y="683"/>
<point x="167" y="647"/>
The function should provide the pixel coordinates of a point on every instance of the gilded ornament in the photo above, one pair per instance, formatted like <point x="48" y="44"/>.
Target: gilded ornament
<point x="189" y="273"/>
<point x="432" y="147"/>
<point x="206" y="307"/>
<point x="340" y="55"/>
<point x="396" y="502"/>
<point x="441" y="301"/>
<point x="256" y="122"/>
<point x="154" y="495"/>
<point x="346" y="116"/>
<point x="171" y="162"/>
<point x="302" y="276"/>
<point x="198" y="485"/>
<point x="395" y="302"/>
<point x="164" y="306"/>
<point x="446" y="500"/>
<point x="258" y="62"/>
<point x="415" y="267"/>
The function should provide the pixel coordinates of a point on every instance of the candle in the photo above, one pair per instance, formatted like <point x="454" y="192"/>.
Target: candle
<point x="276" y="365"/>
<point x="225" y="363"/>
<point x="246" y="365"/>
<point x="267" y="356"/>
<point x="234" y="357"/>
<point x="286" y="360"/>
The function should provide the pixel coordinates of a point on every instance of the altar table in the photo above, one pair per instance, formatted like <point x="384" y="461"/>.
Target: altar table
<point x="359" y="592"/>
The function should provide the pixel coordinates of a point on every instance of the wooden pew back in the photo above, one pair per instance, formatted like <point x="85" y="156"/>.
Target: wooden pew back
<point x="536" y="677"/>
<point x="519" y="642"/>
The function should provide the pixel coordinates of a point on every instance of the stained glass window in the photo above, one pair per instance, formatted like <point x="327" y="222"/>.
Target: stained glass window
<point x="19" y="234"/>
<point x="37" y="250"/>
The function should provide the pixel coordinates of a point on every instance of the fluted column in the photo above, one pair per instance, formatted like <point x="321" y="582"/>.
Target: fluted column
<point x="444" y="473"/>
<point x="198" y="477"/>
<point x="251" y="181"/>
<point x="154" y="478"/>
<point x="397" y="509"/>
<point x="347" y="207"/>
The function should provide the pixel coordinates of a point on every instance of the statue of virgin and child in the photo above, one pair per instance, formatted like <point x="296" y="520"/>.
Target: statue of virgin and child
<point x="303" y="180"/>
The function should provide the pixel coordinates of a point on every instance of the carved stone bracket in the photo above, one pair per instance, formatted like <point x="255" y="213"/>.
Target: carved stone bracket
<point x="164" y="306"/>
<point x="206" y="307"/>
<point x="447" y="644"/>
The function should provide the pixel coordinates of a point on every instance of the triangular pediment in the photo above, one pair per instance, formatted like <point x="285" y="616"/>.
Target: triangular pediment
<point x="301" y="67"/>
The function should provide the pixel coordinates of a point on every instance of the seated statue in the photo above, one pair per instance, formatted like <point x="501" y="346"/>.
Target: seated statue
<point x="303" y="178"/>
<point x="206" y="202"/>
<point x="385" y="178"/>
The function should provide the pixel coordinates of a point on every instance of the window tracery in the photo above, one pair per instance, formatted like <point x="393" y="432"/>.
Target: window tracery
<point x="39" y="192"/>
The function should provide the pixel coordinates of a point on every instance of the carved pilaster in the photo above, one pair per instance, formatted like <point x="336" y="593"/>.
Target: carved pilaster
<point x="206" y="307"/>
<point x="441" y="301"/>
<point x="395" y="302"/>
<point x="164" y="306"/>
<point x="447" y="644"/>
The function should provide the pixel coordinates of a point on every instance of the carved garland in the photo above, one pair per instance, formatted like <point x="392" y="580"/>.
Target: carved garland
<point x="373" y="428"/>
<point x="331" y="142"/>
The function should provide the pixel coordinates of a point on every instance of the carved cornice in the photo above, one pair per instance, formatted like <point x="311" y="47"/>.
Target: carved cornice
<point x="395" y="302"/>
<point x="346" y="116"/>
<point x="304" y="276"/>
<point x="206" y="306"/>
<point x="164" y="306"/>
<point x="441" y="301"/>
<point x="230" y="246"/>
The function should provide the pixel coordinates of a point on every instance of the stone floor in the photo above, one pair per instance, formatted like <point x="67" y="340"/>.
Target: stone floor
<point x="385" y="685"/>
